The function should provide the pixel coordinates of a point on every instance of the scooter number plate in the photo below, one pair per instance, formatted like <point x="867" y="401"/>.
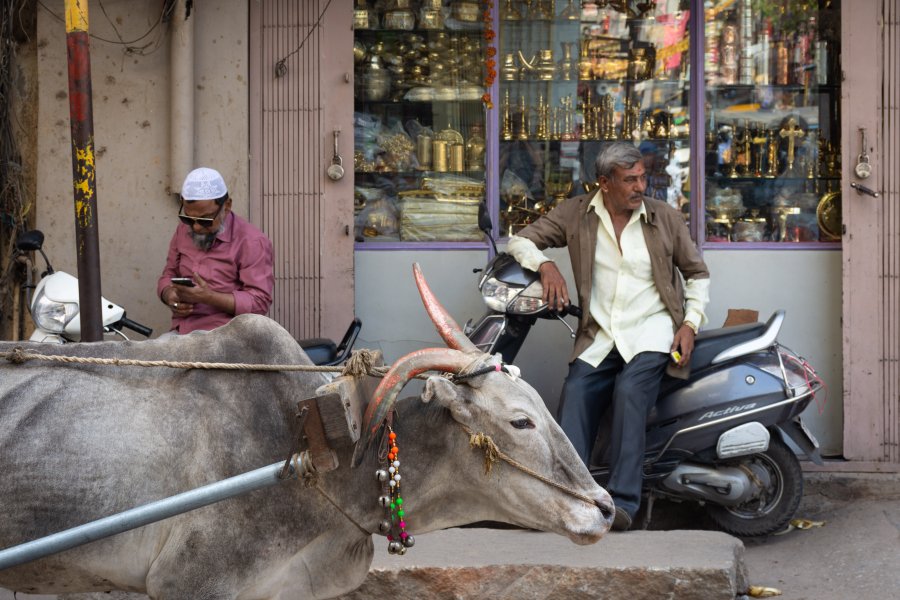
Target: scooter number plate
<point x="808" y="433"/>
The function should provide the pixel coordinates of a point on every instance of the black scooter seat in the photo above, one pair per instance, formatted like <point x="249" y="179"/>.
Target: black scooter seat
<point x="324" y="352"/>
<point x="708" y="344"/>
<point x="320" y="351"/>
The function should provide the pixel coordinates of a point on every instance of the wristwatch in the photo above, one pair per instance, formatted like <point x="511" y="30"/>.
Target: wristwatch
<point x="693" y="327"/>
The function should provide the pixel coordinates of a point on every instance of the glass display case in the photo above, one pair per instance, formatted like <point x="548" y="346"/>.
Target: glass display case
<point x="772" y="131"/>
<point x="419" y="120"/>
<point x="436" y="93"/>
<point x="574" y="76"/>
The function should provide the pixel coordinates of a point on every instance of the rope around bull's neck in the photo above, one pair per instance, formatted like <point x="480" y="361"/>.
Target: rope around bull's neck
<point x="492" y="454"/>
<point x="305" y="471"/>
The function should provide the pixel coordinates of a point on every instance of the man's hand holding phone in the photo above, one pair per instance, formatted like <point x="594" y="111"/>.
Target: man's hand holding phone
<point x="178" y="296"/>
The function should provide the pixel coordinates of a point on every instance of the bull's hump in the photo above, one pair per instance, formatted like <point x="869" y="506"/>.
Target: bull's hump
<point x="248" y="338"/>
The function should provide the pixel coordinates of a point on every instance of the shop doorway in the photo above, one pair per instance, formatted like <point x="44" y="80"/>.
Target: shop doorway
<point x="301" y="93"/>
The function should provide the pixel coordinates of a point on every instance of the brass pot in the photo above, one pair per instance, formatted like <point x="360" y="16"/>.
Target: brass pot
<point x="402" y="19"/>
<point x="376" y="81"/>
<point x="508" y="70"/>
<point x="828" y="216"/>
<point x="466" y="11"/>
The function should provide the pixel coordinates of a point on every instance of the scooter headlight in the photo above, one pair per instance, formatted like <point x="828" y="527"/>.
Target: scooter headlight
<point x="529" y="300"/>
<point x="503" y="298"/>
<point x="51" y="315"/>
<point x="496" y="294"/>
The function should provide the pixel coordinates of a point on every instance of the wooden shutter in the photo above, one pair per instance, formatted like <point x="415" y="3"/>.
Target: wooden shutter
<point x="293" y="113"/>
<point x="871" y="260"/>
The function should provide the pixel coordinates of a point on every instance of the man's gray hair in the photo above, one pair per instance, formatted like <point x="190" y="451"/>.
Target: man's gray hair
<point x="618" y="154"/>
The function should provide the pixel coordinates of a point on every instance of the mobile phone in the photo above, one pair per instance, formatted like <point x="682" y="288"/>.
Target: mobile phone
<point x="186" y="281"/>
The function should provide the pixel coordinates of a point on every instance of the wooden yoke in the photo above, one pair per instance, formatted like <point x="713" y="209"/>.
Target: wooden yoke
<point x="333" y="416"/>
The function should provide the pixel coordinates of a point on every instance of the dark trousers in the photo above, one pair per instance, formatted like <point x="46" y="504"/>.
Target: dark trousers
<point x="629" y="390"/>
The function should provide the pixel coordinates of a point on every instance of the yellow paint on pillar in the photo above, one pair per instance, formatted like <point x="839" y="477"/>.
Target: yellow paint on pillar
<point x="76" y="15"/>
<point x="83" y="183"/>
<point x="85" y="155"/>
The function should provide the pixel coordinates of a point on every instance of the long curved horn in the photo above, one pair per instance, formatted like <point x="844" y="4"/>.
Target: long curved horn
<point x="447" y="328"/>
<point x="429" y="359"/>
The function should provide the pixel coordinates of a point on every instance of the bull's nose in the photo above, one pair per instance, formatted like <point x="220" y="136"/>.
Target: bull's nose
<point x="607" y="508"/>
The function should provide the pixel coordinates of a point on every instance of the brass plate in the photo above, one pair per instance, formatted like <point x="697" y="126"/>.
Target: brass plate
<point x="828" y="215"/>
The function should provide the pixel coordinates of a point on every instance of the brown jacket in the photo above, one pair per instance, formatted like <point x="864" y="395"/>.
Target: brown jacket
<point x="673" y="254"/>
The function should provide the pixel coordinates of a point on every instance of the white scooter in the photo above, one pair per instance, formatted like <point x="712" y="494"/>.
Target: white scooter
<point x="54" y="301"/>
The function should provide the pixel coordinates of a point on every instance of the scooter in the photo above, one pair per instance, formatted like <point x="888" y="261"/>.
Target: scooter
<point x="719" y="437"/>
<point x="54" y="307"/>
<point x="53" y="302"/>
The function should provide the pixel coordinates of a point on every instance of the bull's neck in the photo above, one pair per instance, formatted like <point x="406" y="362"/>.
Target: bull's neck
<point x="441" y="475"/>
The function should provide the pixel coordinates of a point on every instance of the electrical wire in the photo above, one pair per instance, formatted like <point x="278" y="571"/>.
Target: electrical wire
<point x="281" y="65"/>
<point x="167" y="9"/>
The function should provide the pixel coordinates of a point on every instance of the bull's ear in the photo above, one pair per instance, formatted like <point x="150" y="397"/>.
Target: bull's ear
<point x="450" y="396"/>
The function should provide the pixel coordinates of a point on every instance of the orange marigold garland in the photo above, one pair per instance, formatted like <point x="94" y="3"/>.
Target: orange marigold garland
<point x="490" y="65"/>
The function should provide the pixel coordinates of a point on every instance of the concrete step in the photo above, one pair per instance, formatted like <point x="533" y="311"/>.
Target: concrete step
<point x="516" y="564"/>
<point x="512" y="564"/>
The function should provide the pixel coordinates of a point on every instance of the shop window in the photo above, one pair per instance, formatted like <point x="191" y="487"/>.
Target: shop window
<point x="772" y="127"/>
<point x="577" y="76"/>
<point x="437" y="92"/>
<point x="419" y="121"/>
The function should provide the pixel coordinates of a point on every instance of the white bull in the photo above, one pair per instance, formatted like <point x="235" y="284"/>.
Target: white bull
<point x="81" y="442"/>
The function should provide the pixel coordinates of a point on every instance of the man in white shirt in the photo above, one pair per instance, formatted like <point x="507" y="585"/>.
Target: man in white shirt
<point x="646" y="288"/>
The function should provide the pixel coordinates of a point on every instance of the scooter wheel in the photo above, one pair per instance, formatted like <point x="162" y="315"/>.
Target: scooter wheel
<point x="773" y="508"/>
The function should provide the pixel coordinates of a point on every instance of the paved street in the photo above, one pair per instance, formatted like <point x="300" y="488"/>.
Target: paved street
<point x="854" y="554"/>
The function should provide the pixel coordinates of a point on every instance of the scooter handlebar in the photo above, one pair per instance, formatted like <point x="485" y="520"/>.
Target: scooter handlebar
<point x="135" y="326"/>
<point x="574" y="310"/>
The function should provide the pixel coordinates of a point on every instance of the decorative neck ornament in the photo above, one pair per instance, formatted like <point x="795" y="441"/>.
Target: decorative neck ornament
<point x="394" y="524"/>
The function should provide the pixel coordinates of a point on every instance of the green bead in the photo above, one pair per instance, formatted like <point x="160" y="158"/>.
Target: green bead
<point x="400" y="513"/>
<point x="393" y="505"/>
<point x="399" y="500"/>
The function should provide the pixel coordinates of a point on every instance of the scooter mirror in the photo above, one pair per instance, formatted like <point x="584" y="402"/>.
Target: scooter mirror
<point x="30" y="241"/>
<point x="484" y="219"/>
<point x="485" y="224"/>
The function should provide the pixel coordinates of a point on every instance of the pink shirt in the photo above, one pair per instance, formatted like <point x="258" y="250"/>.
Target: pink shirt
<point x="239" y="262"/>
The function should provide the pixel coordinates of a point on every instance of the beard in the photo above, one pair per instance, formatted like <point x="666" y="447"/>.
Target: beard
<point x="204" y="241"/>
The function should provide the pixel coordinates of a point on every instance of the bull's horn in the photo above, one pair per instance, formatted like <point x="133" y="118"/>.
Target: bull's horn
<point x="429" y="359"/>
<point x="448" y="329"/>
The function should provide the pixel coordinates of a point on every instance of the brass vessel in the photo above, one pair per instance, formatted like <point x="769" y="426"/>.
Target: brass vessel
<point x="475" y="147"/>
<point x="541" y="64"/>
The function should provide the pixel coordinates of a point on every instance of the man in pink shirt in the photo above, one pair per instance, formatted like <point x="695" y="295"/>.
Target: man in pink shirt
<point x="218" y="265"/>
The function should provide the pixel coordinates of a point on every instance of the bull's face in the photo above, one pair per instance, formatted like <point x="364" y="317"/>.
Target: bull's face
<point x="545" y="485"/>
<point x="514" y="416"/>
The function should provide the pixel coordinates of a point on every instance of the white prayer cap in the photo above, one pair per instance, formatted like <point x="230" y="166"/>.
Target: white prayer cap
<point x="203" y="184"/>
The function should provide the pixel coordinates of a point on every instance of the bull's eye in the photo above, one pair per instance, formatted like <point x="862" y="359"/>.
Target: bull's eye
<point x="523" y="423"/>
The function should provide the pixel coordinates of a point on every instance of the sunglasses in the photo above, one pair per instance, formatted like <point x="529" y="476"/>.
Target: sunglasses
<point x="205" y="222"/>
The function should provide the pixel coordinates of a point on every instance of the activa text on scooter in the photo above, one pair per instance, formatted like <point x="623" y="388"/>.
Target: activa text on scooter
<point x="727" y="411"/>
